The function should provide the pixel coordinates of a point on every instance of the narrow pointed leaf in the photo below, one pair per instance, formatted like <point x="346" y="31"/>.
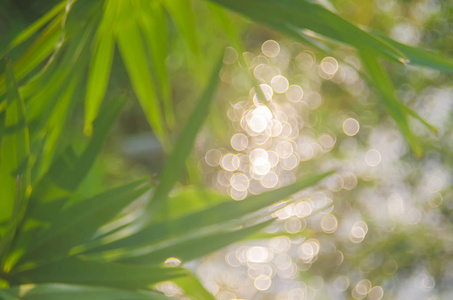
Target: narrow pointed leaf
<point x="99" y="73"/>
<point x="52" y="291"/>
<point x="156" y="37"/>
<point x="15" y="179"/>
<point x="15" y="146"/>
<point x="33" y="28"/>
<point x="41" y="48"/>
<point x="193" y="288"/>
<point x="135" y="59"/>
<point x="380" y="79"/>
<point x="224" y="212"/>
<point x="424" y="58"/>
<point x="198" y="246"/>
<point x="182" y="14"/>
<point x="181" y="150"/>
<point x="78" y="223"/>
<point x="77" y="271"/>
<point x="55" y="184"/>
<point x="307" y="15"/>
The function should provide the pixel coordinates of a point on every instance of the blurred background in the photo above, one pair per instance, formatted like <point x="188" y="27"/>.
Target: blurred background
<point x="380" y="228"/>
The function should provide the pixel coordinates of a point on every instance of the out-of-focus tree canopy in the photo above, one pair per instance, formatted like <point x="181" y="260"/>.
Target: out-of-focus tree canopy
<point x="254" y="149"/>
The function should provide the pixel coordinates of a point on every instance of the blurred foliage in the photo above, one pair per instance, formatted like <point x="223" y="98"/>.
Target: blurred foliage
<point x="112" y="187"/>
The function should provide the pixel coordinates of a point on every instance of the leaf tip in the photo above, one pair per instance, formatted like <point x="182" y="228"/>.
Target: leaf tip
<point x="88" y="129"/>
<point x="404" y="60"/>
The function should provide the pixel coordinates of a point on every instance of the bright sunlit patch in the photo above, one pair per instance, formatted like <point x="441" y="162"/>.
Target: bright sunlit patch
<point x="257" y="254"/>
<point x="308" y="250"/>
<point x="328" y="66"/>
<point x="373" y="157"/>
<point x="269" y="180"/>
<point x="213" y="157"/>
<point x="326" y="141"/>
<point x="329" y="223"/>
<point x="358" y="232"/>
<point x="240" y="182"/>
<point x="238" y="195"/>
<point x="258" y="154"/>
<point x="230" y="56"/>
<point x="284" y="149"/>
<point x="172" y="261"/>
<point x="275" y="128"/>
<point x="258" y="123"/>
<point x="283" y="261"/>
<point x="259" y="119"/>
<point x="305" y="60"/>
<point x="376" y="293"/>
<point x="262" y="282"/>
<point x="361" y="289"/>
<point x="239" y="142"/>
<point x="303" y="209"/>
<point x="261" y="167"/>
<point x="230" y="162"/>
<point x="341" y="283"/>
<point x="351" y="127"/>
<point x="270" y="48"/>
<point x="267" y="91"/>
<point x="294" y="93"/>
<point x="293" y="225"/>
<point x="273" y="158"/>
<point x="279" y="84"/>
<point x="290" y="162"/>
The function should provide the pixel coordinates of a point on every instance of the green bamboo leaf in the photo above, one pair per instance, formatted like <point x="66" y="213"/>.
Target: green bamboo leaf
<point x="233" y="34"/>
<point x="15" y="169"/>
<point x="41" y="48"/>
<point x="195" y="247"/>
<point x="183" y="15"/>
<point x="415" y="115"/>
<point x="78" y="271"/>
<point x="99" y="73"/>
<point x="218" y="214"/>
<point x="183" y="146"/>
<point x="33" y="28"/>
<point x="15" y="146"/>
<point x="55" y="184"/>
<point x="193" y="288"/>
<point x="79" y="222"/>
<point x="191" y="199"/>
<point x="132" y="50"/>
<point x="67" y="73"/>
<point x="307" y="15"/>
<point x="55" y="126"/>
<point x="380" y="79"/>
<point x="152" y="21"/>
<point x="424" y="58"/>
<point x="52" y="291"/>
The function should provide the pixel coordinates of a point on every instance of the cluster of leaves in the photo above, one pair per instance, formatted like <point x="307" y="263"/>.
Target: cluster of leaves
<point x="51" y="232"/>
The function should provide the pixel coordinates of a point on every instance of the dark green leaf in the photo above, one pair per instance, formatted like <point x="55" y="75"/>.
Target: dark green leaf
<point x="14" y="155"/>
<point x="79" y="222"/>
<point x="424" y="58"/>
<point x="193" y="247"/>
<point x="77" y="271"/>
<point x="218" y="214"/>
<point x="130" y="44"/>
<point x="279" y="14"/>
<point x="380" y="79"/>
<point x="183" y="146"/>
<point x="52" y="291"/>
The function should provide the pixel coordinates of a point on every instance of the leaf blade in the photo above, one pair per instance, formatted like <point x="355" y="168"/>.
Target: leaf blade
<point x="183" y="146"/>
<point x="77" y="271"/>
<point x="380" y="79"/>
<point x="278" y="14"/>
